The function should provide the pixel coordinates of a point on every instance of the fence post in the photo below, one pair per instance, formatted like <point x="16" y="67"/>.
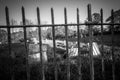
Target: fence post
<point x="112" y="34"/>
<point x="54" y="45"/>
<point x="66" y="37"/>
<point x="90" y="42"/>
<point x="25" y="40"/>
<point x="9" y="39"/>
<point x="78" y="39"/>
<point x="40" y="43"/>
<point x="102" y="46"/>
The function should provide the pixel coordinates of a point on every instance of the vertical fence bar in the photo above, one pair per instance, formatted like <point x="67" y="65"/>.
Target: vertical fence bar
<point x="112" y="34"/>
<point x="102" y="48"/>
<point x="66" y="37"/>
<point x="40" y="43"/>
<point x="90" y="42"/>
<point x="54" y="45"/>
<point x="79" y="53"/>
<point x="9" y="39"/>
<point x="25" y="40"/>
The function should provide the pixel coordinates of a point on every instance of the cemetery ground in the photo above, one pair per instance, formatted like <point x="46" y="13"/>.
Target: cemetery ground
<point x="17" y="63"/>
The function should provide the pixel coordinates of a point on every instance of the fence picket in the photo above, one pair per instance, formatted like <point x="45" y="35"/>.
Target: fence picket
<point x="112" y="34"/>
<point x="102" y="46"/>
<point x="25" y="41"/>
<point x="79" y="40"/>
<point x="40" y="43"/>
<point x="9" y="39"/>
<point x="54" y="45"/>
<point x="90" y="41"/>
<point x="66" y="38"/>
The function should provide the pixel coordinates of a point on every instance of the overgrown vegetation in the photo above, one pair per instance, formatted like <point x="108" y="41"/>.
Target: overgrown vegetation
<point x="19" y="64"/>
<point x="16" y="62"/>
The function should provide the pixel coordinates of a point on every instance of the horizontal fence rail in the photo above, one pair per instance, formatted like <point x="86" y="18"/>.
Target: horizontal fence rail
<point x="50" y="25"/>
<point x="66" y="25"/>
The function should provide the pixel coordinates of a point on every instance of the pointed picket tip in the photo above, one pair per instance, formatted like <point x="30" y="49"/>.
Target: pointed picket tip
<point x="89" y="5"/>
<point x="37" y="7"/>
<point x="65" y="8"/>
<point x="51" y="8"/>
<point x="22" y="7"/>
<point x="37" y="10"/>
<point x="78" y="9"/>
<point x="6" y="10"/>
<point x="65" y="11"/>
<point x="112" y="11"/>
<point x="6" y="7"/>
<point x="101" y="10"/>
<point x="77" y="12"/>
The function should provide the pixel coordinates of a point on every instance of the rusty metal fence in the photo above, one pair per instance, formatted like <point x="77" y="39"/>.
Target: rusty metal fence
<point x="53" y="25"/>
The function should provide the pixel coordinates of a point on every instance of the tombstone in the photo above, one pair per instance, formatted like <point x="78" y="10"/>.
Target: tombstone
<point x="95" y="48"/>
<point x="35" y="55"/>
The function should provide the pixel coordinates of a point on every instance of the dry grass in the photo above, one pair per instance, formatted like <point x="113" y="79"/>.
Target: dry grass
<point x="35" y="69"/>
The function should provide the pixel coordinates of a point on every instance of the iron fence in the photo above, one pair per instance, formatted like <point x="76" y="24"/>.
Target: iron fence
<point x="53" y="25"/>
